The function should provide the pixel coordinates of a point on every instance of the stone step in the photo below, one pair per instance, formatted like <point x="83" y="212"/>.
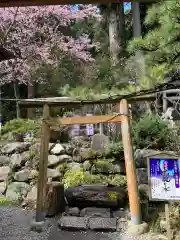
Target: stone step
<point x="85" y="223"/>
<point x="97" y="212"/>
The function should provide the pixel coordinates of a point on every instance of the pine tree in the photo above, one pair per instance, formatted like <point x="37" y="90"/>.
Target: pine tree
<point x="161" y="45"/>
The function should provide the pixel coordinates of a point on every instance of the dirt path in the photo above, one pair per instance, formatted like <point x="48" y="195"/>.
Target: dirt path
<point x="15" y="225"/>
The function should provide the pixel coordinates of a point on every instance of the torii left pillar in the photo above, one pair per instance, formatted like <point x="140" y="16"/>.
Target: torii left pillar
<point x="42" y="181"/>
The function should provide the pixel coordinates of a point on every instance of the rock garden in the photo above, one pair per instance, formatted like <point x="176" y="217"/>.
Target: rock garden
<point x="93" y="176"/>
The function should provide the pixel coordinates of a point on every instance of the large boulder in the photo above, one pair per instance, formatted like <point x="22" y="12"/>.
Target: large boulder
<point x="96" y="195"/>
<point x="85" y="154"/>
<point x="107" y="167"/>
<point x="4" y="171"/>
<point x="68" y="148"/>
<point x="4" y="160"/>
<point x="142" y="175"/>
<point x="25" y="175"/>
<point x="52" y="160"/>
<point x="82" y="154"/>
<point x="2" y="187"/>
<point x="65" y="158"/>
<point x="17" y="147"/>
<point x="53" y="173"/>
<point x="57" y="149"/>
<point x="80" y="141"/>
<point x="75" y="167"/>
<point x="17" y="191"/>
<point x="33" y="163"/>
<point x="26" y="156"/>
<point x="141" y="155"/>
<point x="31" y="197"/>
<point x="143" y="191"/>
<point x="16" y="160"/>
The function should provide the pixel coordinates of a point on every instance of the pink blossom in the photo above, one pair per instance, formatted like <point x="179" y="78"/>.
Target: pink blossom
<point x="32" y="32"/>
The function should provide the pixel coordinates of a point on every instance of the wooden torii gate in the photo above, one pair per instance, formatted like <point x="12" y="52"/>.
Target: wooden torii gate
<point x="123" y="117"/>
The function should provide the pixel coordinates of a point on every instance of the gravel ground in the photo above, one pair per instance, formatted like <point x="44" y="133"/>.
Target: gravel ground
<point x="15" y="225"/>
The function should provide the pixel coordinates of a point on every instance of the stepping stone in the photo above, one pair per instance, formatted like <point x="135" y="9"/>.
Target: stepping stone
<point x="95" y="212"/>
<point x="121" y="214"/>
<point x="103" y="224"/>
<point x="73" y="223"/>
<point x="74" y="211"/>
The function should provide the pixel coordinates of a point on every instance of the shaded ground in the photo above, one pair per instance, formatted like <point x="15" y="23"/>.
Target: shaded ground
<point x="15" y="225"/>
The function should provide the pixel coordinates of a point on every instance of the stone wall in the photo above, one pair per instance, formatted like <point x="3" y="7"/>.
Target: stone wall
<point x="72" y="163"/>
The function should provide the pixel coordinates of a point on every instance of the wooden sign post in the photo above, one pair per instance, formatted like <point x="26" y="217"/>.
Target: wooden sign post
<point x="169" y="235"/>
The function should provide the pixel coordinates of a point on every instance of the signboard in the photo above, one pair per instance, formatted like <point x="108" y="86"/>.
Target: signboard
<point x="164" y="178"/>
<point x="75" y="129"/>
<point x="89" y="127"/>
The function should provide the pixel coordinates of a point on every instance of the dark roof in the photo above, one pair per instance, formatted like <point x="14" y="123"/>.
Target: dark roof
<point x="5" y="54"/>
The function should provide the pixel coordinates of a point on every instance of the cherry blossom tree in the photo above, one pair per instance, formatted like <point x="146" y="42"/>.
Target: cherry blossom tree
<point x="31" y="33"/>
<point x="34" y="33"/>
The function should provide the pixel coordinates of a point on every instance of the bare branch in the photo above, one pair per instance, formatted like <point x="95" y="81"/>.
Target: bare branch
<point x="10" y="27"/>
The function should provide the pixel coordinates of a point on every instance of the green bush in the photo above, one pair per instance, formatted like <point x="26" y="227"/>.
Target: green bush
<point x="118" y="180"/>
<point x="4" y="201"/>
<point x="114" y="150"/>
<point x="21" y="126"/>
<point x="150" y="131"/>
<point x="102" y="166"/>
<point x="72" y="179"/>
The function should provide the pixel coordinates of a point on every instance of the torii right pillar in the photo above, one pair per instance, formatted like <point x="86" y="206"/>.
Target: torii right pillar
<point x="134" y="200"/>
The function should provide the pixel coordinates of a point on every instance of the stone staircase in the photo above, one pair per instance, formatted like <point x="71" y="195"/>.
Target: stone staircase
<point x="93" y="218"/>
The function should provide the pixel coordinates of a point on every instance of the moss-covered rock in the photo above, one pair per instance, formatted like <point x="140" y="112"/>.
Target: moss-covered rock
<point x="72" y="179"/>
<point x="118" y="180"/>
<point x="87" y="165"/>
<point x="83" y="154"/>
<point x="114" y="150"/>
<point x="62" y="168"/>
<point x="102" y="166"/>
<point x="107" y="166"/>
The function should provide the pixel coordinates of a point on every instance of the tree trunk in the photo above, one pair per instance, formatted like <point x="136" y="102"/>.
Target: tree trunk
<point x="121" y="24"/>
<point x="139" y="58"/>
<point x="55" y="201"/>
<point x="30" y="111"/>
<point x="16" y="94"/>
<point x="113" y="34"/>
<point x="136" y="19"/>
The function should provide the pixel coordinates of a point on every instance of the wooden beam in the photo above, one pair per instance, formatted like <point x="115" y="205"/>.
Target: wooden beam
<point x="68" y="102"/>
<point x="85" y="120"/>
<point x="42" y="181"/>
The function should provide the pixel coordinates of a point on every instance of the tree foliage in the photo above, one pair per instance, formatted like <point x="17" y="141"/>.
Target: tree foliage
<point x="160" y="47"/>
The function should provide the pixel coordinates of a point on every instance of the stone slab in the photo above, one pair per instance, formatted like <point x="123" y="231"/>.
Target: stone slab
<point x="99" y="141"/>
<point x="73" y="223"/>
<point x="95" y="212"/>
<point x="102" y="224"/>
<point x="74" y="211"/>
<point x="121" y="214"/>
<point x="142" y="175"/>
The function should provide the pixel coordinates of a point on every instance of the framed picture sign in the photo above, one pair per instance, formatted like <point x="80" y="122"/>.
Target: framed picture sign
<point x="164" y="177"/>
